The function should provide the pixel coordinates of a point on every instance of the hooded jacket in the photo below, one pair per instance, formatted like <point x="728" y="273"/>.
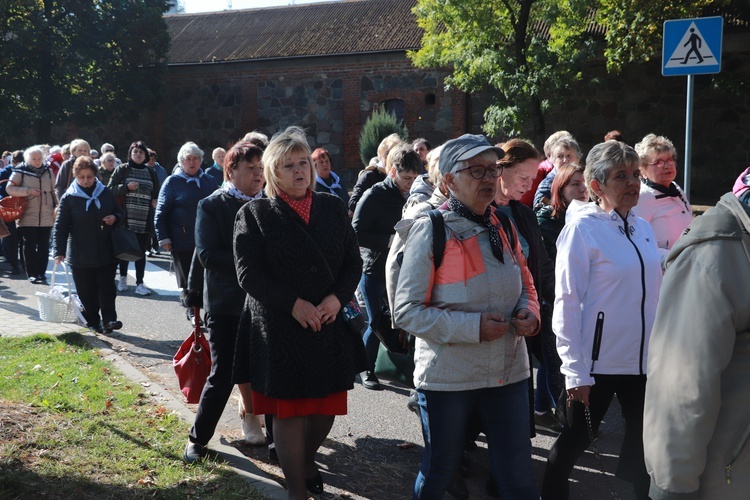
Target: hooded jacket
<point x="697" y="412"/>
<point x="443" y="308"/>
<point x="607" y="279"/>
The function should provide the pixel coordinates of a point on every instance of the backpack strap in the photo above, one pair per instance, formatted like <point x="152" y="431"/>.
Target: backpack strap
<point x="438" y="236"/>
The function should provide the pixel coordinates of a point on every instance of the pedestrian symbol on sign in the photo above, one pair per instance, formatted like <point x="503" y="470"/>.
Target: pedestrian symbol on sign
<point x="691" y="51"/>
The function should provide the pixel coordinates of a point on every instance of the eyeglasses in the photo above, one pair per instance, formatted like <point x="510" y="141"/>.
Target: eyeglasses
<point x="662" y="163"/>
<point x="480" y="171"/>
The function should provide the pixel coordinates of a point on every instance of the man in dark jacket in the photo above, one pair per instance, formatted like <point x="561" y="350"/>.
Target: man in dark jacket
<point x="374" y="218"/>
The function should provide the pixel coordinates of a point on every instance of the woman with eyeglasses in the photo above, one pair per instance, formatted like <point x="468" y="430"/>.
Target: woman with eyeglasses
<point x="469" y="317"/>
<point x="662" y="202"/>
<point x="106" y="168"/>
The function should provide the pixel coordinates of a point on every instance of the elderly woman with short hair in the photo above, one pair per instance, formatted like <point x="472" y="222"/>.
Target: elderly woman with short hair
<point x="83" y="237"/>
<point x="297" y="258"/>
<point x="78" y="148"/>
<point x="326" y="179"/>
<point x="469" y="316"/>
<point x="107" y="165"/>
<point x="33" y="180"/>
<point x="177" y="207"/>
<point x="607" y="278"/>
<point x="662" y="202"/>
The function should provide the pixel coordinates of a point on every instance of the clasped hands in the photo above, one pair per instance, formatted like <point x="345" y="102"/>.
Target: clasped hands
<point x="492" y="326"/>
<point x="314" y="317"/>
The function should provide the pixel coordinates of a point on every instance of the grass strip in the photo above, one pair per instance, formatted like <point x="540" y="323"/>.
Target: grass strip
<point x="72" y="426"/>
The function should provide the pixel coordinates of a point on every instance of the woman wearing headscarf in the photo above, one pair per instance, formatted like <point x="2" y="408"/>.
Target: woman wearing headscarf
<point x="177" y="207"/>
<point x="607" y="280"/>
<point x="297" y="258"/>
<point x="33" y="180"/>
<point x="83" y="237"/>
<point x="223" y="299"/>
<point x="469" y="317"/>
<point x="662" y="203"/>
<point x="137" y="186"/>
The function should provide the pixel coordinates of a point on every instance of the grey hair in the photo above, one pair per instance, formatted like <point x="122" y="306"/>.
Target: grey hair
<point x="189" y="149"/>
<point x="654" y="144"/>
<point x="260" y="136"/>
<point x="77" y="142"/>
<point x="605" y="157"/>
<point x="290" y="140"/>
<point x="107" y="146"/>
<point x="107" y="156"/>
<point x="551" y="140"/>
<point x="30" y="151"/>
<point x="568" y="143"/>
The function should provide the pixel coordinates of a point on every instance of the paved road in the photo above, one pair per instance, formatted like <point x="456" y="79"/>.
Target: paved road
<point x="373" y="452"/>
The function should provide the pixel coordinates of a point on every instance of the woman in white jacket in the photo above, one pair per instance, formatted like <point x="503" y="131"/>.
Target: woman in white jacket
<point x="607" y="279"/>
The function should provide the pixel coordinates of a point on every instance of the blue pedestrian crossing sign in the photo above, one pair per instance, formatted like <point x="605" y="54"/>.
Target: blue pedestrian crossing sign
<point x="692" y="46"/>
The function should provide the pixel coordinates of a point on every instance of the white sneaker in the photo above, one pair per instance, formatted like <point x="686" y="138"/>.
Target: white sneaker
<point x="251" y="428"/>
<point x="122" y="285"/>
<point x="141" y="289"/>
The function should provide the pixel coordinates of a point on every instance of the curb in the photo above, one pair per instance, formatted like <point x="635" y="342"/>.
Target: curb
<point x="231" y="455"/>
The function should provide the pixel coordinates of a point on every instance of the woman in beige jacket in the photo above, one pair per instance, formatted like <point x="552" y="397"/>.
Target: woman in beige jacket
<point x="33" y="179"/>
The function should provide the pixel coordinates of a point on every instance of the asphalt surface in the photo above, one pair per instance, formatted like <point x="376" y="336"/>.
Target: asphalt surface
<point x="373" y="452"/>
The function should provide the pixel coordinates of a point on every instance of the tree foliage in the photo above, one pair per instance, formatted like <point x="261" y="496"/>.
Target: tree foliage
<point x="79" y="60"/>
<point x="527" y="52"/>
<point x="378" y="126"/>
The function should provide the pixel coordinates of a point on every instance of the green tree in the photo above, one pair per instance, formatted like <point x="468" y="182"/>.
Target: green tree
<point x="79" y="61"/>
<point x="527" y="52"/>
<point x="378" y="126"/>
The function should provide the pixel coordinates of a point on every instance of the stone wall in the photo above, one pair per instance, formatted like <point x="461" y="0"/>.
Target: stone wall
<point x="331" y="97"/>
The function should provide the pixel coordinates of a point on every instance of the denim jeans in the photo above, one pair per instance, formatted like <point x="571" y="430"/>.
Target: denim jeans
<point x="372" y="290"/>
<point x="504" y="412"/>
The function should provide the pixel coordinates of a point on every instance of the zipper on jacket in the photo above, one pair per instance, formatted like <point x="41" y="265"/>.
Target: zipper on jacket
<point x="739" y="444"/>
<point x="643" y="296"/>
<point x="598" y="330"/>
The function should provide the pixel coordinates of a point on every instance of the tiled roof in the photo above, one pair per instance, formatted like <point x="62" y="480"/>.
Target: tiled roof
<point x="343" y="27"/>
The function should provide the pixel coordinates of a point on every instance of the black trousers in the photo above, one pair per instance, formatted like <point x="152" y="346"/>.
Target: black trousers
<point x="96" y="289"/>
<point x="222" y="335"/>
<point x="574" y="439"/>
<point x="182" y="260"/>
<point x="35" y="249"/>
<point x="144" y="240"/>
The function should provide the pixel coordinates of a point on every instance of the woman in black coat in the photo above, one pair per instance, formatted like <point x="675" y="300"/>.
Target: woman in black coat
<point x="83" y="237"/>
<point x="222" y="298"/>
<point x="297" y="258"/>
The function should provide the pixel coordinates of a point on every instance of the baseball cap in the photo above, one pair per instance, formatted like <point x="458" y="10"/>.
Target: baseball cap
<point x="463" y="148"/>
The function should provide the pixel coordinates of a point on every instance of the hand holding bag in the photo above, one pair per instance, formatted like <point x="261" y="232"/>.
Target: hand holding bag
<point x="125" y="245"/>
<point x="192" y="363"/>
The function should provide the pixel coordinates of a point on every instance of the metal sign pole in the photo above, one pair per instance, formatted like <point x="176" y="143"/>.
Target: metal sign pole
<point x="688" y="133"/>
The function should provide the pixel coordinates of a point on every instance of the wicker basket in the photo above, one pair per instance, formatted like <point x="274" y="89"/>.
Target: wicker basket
<point x="12" y="207"/>
<point x="55" y="307"/>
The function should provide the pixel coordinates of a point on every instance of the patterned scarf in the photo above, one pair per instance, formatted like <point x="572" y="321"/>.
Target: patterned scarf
<point x="495" y="240"/>
<point x="231" y="190"/>
<point x="670" y="191"/>
<point x="76" y="190"/>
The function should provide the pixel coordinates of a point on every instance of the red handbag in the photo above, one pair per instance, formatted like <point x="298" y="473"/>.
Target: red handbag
<point x="192" y="363"/>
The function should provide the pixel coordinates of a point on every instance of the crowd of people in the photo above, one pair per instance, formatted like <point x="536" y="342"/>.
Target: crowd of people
<point x="486" y="258"/>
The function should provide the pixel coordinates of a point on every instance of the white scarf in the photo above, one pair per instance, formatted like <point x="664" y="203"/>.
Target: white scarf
<point x="336" y="182"/>
<point x="75" y="190"/>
